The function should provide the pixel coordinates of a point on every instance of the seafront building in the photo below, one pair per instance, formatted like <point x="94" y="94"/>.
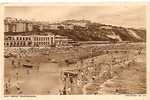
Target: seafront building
<point x="35" y="40"/>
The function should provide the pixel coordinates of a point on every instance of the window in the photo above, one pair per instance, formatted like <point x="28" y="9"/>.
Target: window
<point x="10" y="44"/>
<point x="13" y="38"/>
<point x="20" y="43"/>
<point x="14" y="43"/>
<point x="17" y="43"/>
<point x="24" y="43"/>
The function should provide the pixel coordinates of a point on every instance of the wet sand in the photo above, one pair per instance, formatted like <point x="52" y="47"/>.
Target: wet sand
<point x="44" y="81"/>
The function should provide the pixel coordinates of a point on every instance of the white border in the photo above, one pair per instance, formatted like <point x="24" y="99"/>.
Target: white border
<point x="75" y="97"/>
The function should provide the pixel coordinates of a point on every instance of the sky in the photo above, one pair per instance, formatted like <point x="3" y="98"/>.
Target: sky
<point x="126" y="15"/>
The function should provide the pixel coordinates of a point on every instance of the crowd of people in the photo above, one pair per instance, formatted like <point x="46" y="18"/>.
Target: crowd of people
<point x="86" y="71"/>
<point x="92" y="72"/>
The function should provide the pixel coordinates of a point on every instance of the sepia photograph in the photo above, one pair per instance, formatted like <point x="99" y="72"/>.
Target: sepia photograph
<point x="75" y="49"/>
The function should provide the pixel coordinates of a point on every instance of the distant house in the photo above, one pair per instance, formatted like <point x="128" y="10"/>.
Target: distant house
<point x="61" y="40"/>
<point x="68" y="26"/>
<point x="81" y="23"/>
<point x="54" y="26"/>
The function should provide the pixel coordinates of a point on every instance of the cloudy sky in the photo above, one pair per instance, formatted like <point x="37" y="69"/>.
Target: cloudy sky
<point x="127" y="15"/>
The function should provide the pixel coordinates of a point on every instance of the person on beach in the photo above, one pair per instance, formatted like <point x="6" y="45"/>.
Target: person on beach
<point x="17" y="75"/>
<point x="28" y="71"/>
<point x="64" y="91"/>
<point x="7" y="87"/>
<point x="17" y="85"/>
<point x="69" y="91"/>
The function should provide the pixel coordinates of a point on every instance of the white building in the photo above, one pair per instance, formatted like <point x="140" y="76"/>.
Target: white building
<point x="35" y="40"/>
<point x="61" y="40"/>
<point x="29" y="41"/>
